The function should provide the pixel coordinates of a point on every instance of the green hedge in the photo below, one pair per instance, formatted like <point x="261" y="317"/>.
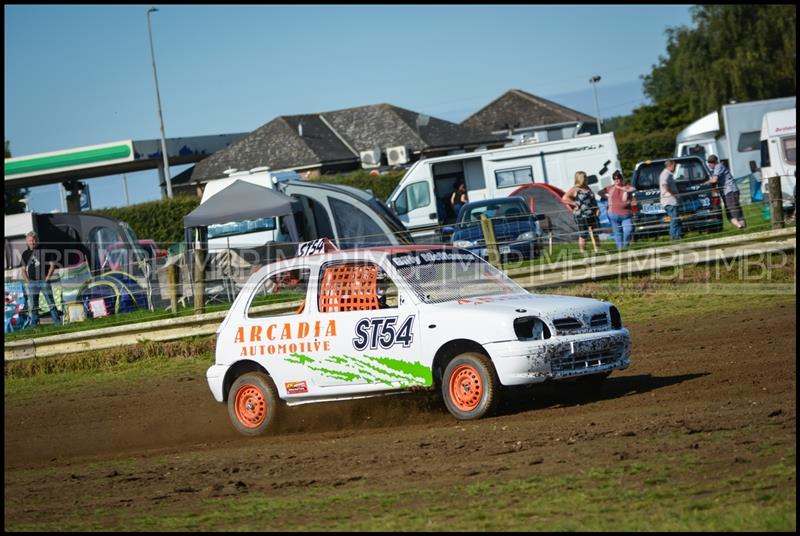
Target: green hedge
<point x="160" y="220"/>
<point x="381" y="185"/>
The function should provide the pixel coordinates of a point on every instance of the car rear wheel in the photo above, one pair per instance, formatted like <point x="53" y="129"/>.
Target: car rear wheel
<point x="253" y="403"/>
<point x="470" y="386"/>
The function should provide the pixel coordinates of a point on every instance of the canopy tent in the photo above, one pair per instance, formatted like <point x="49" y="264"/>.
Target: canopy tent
<point x="244" y="201"/>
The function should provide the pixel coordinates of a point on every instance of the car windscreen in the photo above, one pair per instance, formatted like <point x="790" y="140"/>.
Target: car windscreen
<point x="438" y="276"/>
<point x="691" y="170"/>
<point x="501" y="209"/>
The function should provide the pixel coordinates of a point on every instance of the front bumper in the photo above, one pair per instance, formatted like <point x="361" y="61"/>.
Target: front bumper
<point x="524" y="362"/>
<point x="701" y="221"/>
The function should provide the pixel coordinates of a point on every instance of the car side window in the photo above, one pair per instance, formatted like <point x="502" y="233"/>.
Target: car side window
<point x="288" y="285"/>
<point x="355" y="286"/>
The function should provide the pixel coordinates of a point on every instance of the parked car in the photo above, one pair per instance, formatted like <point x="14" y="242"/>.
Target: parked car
<point x="700" y="206"/>
<point x="393" y="319"/>
<point x="116" y="256"/>
<point x="516" y="229"/>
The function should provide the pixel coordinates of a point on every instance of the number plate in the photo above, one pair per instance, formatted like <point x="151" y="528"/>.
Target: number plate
<point x="652" y="208"/>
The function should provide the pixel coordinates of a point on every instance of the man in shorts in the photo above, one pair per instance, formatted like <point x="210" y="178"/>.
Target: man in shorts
<point x="722" y="177"/>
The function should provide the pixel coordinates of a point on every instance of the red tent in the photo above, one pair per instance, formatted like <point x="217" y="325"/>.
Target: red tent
<point x="546" y="199"/>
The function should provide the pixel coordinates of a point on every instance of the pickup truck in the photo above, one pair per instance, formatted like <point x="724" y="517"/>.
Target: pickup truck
<point x="700" y="207"/>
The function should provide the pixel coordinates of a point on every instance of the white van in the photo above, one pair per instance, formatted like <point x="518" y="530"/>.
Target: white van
<point x="421" y="198"/>
<point x="779" y="152"/>
<point x="245" y="233"/>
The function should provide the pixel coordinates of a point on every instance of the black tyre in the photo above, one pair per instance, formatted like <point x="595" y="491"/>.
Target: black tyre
<point x="469" y="386"/>
<point x="253" y="403"/>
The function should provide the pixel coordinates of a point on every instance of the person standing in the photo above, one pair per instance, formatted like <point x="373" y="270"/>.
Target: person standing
<point x="458" y="198"/>
<point x="38" y="269"/>
<point x="730" y="191"/>
<point x="619" y="212"/>
<point x="669" y="199"/>
<point x="585" y="210"/>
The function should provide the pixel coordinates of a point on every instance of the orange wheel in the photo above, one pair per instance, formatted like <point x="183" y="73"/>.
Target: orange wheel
<point x="470" y="386"/>
<point x="466" y="387"/>
<point x="250" y="406"/>
<point x="252" y="403"/>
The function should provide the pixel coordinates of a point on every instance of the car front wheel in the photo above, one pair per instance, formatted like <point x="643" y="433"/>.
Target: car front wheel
<point x="470" y="386"/>
<point x="253" y="403"/>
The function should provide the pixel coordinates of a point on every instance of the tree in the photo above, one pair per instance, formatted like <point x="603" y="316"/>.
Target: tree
<point x="736" y="52"/>
<point x="14" y="196"/>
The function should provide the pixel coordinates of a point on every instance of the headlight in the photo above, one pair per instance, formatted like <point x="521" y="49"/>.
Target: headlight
<point x="530" y="235"/>
<point x="616" y="318"/>
<point x="529" y="328"/>
<point x="463" y="243"/>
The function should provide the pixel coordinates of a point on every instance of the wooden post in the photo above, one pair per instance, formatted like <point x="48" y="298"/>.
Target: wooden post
<point x="776" y="202"/>
<point x="199" y="281"/>
<point x="490" y="240"/>
<point x="172" y="286"/>
<point x="594" y="242"/>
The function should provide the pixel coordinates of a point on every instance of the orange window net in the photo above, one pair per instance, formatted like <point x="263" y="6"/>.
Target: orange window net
<point x="349" y="287"/>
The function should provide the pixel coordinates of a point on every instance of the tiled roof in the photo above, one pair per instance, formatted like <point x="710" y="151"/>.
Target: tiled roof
<point x="336" y="137"/>
<point x="519" y="109"/>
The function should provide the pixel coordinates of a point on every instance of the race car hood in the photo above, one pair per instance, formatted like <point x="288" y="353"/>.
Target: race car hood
<point x="544" y="305"/>
<point x="491" y="318"/>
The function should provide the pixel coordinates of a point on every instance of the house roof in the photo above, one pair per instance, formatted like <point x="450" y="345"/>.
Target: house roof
<point x="334" y="138"/>
<point x="519" y="109"/>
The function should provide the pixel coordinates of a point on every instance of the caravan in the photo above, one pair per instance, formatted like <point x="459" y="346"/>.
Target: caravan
<point x="779" y="152"/>
<point x="421" y="198"/>
<point x="741" y="124"/>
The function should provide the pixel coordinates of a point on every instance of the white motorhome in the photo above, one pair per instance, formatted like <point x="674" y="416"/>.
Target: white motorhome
<point x="779" y="151"/>
<point x="420" y="199"/>
<point x="245" y="233"/>
<point x="741" y="123"/>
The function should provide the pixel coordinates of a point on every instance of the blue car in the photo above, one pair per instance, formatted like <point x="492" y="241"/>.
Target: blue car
<point x="515" y="228"/>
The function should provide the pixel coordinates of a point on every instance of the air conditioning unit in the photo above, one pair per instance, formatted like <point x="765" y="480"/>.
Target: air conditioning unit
<point x="397" y="155"/>
<point x="370" y="158"/>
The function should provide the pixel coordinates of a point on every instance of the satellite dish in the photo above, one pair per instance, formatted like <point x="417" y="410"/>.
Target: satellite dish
<point x="422" y="120"/>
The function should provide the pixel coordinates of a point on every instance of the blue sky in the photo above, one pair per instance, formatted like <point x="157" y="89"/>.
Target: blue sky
<point x="82" y="75"/>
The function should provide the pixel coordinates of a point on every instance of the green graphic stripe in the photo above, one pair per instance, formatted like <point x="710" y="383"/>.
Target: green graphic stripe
<point x="415" y="369"/>
<point x="367" y="369"/>
<point x="44" y="163"/>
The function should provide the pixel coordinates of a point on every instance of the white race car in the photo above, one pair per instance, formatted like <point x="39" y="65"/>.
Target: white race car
<point x="392" y="319"/>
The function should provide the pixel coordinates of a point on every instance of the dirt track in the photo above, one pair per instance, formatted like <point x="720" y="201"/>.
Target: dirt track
<point x="735" y="373"/>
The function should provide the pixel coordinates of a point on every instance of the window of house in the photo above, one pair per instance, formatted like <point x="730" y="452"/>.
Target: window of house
<point x="355" y="286"/>
<point x="512" y="177"/>
<point x="288" y="285"/>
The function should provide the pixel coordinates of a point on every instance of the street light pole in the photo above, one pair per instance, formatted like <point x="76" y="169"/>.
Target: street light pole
<point x="158" y="100"/>
<point x="594" y="80"/>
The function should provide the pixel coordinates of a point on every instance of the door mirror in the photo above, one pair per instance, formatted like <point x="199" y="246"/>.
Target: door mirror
<point x="753" y="167"/>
